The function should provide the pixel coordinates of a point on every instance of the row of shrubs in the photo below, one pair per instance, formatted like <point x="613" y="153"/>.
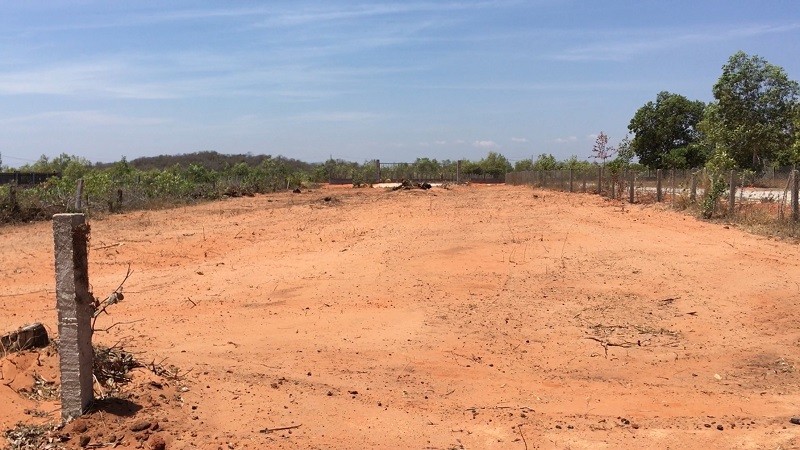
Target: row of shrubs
<point x="123" y="187"/>
<point x="180" y="179"/>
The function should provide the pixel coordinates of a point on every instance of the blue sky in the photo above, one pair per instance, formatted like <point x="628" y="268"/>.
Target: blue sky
<point x="360" y="80"/>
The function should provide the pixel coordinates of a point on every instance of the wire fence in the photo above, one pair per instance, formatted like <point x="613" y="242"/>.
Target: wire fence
<point x="773" y="194"/>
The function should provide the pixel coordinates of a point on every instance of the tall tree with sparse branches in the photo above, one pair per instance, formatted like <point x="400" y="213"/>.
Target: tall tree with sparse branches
<point x="601" y="150"/>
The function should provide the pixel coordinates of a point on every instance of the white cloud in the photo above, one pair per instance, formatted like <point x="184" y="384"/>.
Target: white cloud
<point x="565" y="140"/>
<point x="591" y="137"/>
<point x="519" y="139"/>
<point x="485" y="144"/>
<point x="440" y="142"/>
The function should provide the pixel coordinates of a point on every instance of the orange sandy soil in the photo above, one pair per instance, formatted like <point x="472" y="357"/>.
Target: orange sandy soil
<point x="469" y="317"/>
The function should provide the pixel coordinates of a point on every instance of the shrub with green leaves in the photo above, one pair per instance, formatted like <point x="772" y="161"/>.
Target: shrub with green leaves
<point x="716" y="169"/>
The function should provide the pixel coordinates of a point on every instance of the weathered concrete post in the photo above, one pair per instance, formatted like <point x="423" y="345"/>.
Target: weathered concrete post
<point x="672" y="185"/>
<point x="75" y="309"/>
<point x="12" y="197"/>
<point x="732" y="196"/>
<point x="377" y="170"/>
<point x="693" y="192"/>
<point x="79" y="195"/>
<point x="632" y="187"/>
<point x="600" y="180"/>
<point x="795" y="195"/>
<point x="458" y="171"/>
<point x="571" y="180"/>
<point x="659" y="177"/>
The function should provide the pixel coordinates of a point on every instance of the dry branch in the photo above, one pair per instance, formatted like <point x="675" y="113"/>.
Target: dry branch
<point x="270" y="430"/>
<point x="607" y="344"/>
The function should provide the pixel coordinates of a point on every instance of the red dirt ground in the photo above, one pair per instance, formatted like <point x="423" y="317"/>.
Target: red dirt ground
<point x="468" y="317"/>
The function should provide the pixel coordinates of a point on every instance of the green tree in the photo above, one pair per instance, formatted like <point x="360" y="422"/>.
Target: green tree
<point x="495" y="164"/>
<point x="427" y="168"/>
<point x="791" y="155"/>
<point x="545" y="162"/>
<point x="523" y="165"/>
<point x="751" y="117"/>
<point x="576" y="164"/>
<point x="601" y="150"/>
<point x="471" y="167"/>
<point x="665" y="132"/>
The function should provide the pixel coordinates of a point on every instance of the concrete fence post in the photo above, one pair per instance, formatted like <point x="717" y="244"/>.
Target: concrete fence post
<point x="12" y="197"/>
<point x="659" y="193"/>
<point x="632" y="187"/>
<point x="583" y="181"/>
<point x="693" y="191"/>
<point x="75" y="309"/>
<point x="732" y="192"/>
<point x="458" y="171"/>
<point x="79" y="195"/>
<point x="600" y="180"/>
<point x="378" y="170"/>
<point x="796" y="195"/>
<point x="571" y="180"/>
<point x="672" y="185"/>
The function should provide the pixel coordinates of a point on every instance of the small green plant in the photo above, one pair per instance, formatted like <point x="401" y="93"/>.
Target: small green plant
<point x="716" y="168"/>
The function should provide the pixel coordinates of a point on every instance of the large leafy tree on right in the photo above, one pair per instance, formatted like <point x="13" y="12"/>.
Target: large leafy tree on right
<point x="751" y="117"/>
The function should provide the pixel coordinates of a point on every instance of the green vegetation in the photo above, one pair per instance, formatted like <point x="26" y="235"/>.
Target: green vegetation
<point x="751" y="117"/>
<point x="754" y="120"/>
<point x="180" y="179"/>
<point x="666" y="134"/>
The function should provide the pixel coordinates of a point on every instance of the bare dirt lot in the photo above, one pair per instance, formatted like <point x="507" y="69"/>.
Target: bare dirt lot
<point x="469" y="317"/>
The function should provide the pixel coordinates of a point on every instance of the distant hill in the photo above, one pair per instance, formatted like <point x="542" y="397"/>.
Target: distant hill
<point x="211" y="160"/>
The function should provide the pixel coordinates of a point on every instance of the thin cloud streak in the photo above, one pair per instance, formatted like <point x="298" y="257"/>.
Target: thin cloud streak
<point x="633" y="46"/>
<point x="90" y="118"/>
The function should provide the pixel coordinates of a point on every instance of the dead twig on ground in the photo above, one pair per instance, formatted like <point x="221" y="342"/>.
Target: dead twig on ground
<point x="271" y="430"/>
<point x="606" y="344"/>
<point x="668" y="300"/>
<point x="23" y="293"/>
<point x="103" y="247"/>
<point x="519" y="428"/>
